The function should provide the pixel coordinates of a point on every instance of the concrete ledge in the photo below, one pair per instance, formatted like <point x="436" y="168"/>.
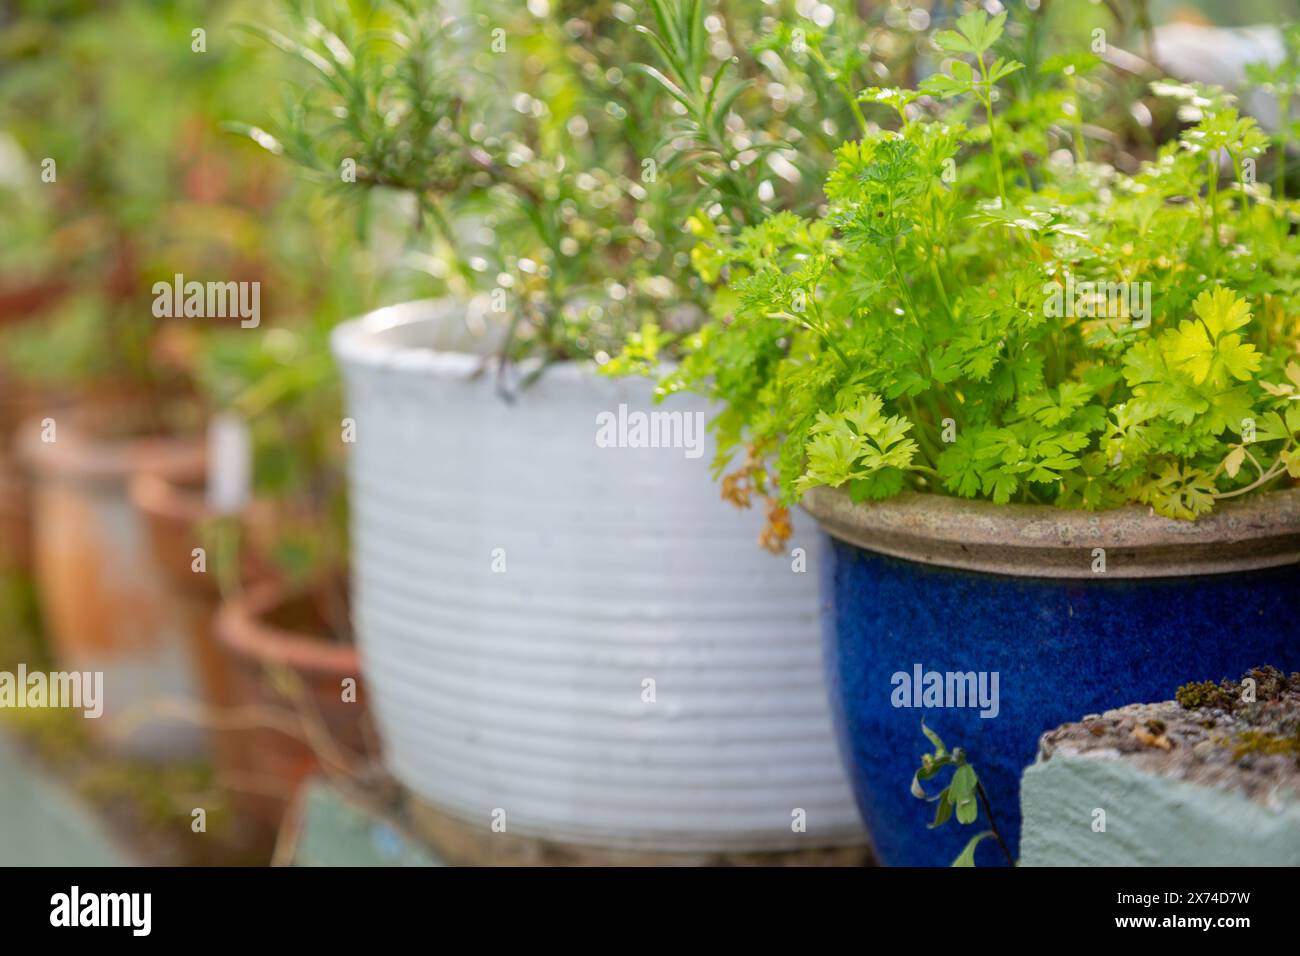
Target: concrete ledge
<point x="43" y="823"/>
<point x="1212" y="779"/>
<point x="1150" y="820"/>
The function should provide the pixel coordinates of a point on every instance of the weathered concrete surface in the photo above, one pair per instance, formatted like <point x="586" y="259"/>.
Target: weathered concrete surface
<point x="1210" y="785"/>
<point x="43" y="824"/>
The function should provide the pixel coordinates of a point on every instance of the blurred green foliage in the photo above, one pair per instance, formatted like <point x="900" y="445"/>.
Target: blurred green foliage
<point x="540" y="167"/>
<point x="147" y="185"/>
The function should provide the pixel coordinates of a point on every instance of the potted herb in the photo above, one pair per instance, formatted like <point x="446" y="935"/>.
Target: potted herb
<point x="562" y="633"/>
<point x="1046" y="409"/>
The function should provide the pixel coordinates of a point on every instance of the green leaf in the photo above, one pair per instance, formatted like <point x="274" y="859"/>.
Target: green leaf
<point x="877" y="486"/>
<point x="982" y="30"/>
<point x="856" y="442"/>
<point x="1222" y="310"/>
<point x="962" y="790"/>
<point x="931" y="736"/>
<point x="967" y="856"/>
<point x="943" y="87"/>
<point x="1291" y="459"/>
<point x="1180" y="492"/>
<point x="1003" y="68"/>
<point x="950" y="41"/>
<point x="1234" y="460"/>
<point x="942" y="812"/>
<point x="675" y="91"/>
<point x="258" y="135"/>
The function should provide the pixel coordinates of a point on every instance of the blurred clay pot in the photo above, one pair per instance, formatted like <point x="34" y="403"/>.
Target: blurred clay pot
<point x="21" y="403"/>
<point x="174" y="510"/>
<point x="303" y="706"/>
<point x="15" y="519"/>
<point x="18" y="403"/>
<point x="24" y="299"/>
<point x="106" y="606"/>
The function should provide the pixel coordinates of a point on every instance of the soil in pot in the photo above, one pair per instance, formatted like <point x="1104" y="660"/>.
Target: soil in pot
<point x="908" y="638"/>
<point x="105" y="606"/>
<point x="300" y="703"/>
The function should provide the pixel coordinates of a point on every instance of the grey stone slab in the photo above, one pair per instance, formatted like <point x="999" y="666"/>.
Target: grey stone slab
<point x="1150" y="820"/>
<point x="1212" y="779"/>
<point x="44" y="823"/>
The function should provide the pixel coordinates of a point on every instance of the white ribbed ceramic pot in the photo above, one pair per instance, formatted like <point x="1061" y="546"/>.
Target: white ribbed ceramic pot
<point x="523" y="690"/>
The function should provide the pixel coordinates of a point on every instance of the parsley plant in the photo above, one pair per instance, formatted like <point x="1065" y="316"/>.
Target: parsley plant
<point x="984" y="311"/>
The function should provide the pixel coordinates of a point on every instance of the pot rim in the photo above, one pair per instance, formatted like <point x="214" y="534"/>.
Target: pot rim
<point x="1043" y="541"/>
<point x="80" y="454"/>
<point x="361" y="342"/>
<point x="166" y="497"/>
<point x="240" y="625"/>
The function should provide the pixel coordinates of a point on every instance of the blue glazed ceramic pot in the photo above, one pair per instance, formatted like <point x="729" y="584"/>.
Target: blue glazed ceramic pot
<point x="998" y="623"/>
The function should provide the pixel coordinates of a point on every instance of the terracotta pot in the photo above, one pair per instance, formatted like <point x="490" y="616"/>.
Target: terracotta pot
<point x="174" y="511"/>
<point x="23" y="300"/>
<point x="18" y="403"/>
<point x="175" y="508"/>
<point x="15" y="519"/>
<point x="106" y="607"/>
<point x="289" y="679"/>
